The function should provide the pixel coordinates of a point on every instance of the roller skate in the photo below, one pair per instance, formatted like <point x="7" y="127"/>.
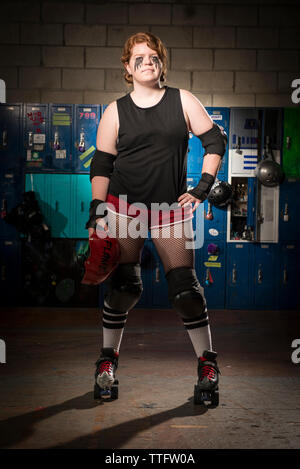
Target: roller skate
<point x="106" y="386"/>
<point x="206" y="390"/>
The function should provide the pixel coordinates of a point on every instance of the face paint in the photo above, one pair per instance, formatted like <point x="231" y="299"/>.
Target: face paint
<point x="155" y="61"/>
<point x="138" y="63"/>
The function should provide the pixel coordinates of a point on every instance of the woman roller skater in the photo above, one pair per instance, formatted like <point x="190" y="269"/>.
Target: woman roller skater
<point x="141" y="155"/>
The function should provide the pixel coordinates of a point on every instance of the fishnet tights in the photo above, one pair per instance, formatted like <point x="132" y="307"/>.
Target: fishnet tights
<point x="174" y="244"/>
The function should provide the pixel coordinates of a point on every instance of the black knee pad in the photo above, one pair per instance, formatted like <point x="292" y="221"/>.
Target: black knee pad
<point x="186" y="293"/>
<point x="125" y="287"/>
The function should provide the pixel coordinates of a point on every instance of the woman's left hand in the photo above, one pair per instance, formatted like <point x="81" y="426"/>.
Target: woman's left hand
<point x="186" y="199"/>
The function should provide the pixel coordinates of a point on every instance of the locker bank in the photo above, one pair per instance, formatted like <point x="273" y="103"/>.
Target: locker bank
<point x="247" y="260"/>
<point x="47" y="149"/>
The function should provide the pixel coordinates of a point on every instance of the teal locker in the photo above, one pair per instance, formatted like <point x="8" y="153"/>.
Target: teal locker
<point x="60" y="205"/>
<point x="81" y="198"/>
<point x="54" y="194"/>
<point x="38" y="183"/>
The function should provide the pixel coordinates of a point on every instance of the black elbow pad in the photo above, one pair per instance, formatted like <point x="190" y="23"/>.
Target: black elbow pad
<point x="102" y="164"/>
<point x="214" y="140"/>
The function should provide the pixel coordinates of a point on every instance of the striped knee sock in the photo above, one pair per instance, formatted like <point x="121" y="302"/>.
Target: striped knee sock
<point x="113" y="327"/>
<point x="199" y="332"/>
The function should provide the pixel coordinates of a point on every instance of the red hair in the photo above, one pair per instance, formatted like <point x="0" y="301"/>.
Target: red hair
<point x="153" y="42"/>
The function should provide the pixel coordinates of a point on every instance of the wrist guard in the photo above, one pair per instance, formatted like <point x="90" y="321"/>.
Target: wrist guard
<point x="91" y="223"/>
<point x="203" y="187"/>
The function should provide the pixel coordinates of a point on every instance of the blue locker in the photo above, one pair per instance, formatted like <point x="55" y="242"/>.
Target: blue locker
<point x="221" y="117"/>
<point x="238" y="272"/>
<point x="10" y="137"/>
<point x="11" y="189"/>
<point x="215" y="222"/>
<point x="266" y="264"/>
<point x="36" y="151"/>
<point x="86" y="120"/>
<point x="158" y="282"/>
<point x="289" y="274"/>
<point x="81" y="198"/>
<point x="198" y="215"/>
<point x="289" y="203"/>
<point x="195" y="151"/>
<point x="213" y="273"/>
<point x="11" y="272"/>
<point x="61" y="136"/>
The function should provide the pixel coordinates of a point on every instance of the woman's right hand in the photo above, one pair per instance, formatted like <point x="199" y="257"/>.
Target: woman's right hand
<point x="102" y="223"/>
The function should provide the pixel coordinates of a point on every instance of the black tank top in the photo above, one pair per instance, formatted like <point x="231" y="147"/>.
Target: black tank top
<point x="152" y="150"/>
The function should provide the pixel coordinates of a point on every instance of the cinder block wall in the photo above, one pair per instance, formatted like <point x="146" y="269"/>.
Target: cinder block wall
<point x="228" y="53"/>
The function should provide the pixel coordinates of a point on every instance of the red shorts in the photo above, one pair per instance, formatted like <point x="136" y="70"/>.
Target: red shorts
<point x="151" y="218"/>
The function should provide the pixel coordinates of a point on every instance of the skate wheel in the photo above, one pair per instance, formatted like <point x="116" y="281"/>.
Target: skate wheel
<point x="114" y="392"/>
<point x="215" y="398"/>
<point x="97" y="392"/>
<point x="198" y="396"/>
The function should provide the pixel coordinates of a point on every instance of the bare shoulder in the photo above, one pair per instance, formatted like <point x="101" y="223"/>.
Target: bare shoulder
<point x="189" y="99"/>
<point x="198" y="117"/>
<point x="111" y="110"/>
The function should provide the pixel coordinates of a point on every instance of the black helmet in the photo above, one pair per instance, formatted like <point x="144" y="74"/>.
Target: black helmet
<point x="220" y="194"/>
<point x="269" y="173"/>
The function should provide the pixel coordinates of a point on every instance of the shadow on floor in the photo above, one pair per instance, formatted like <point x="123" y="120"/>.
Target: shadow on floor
<point x="14" y="430"/>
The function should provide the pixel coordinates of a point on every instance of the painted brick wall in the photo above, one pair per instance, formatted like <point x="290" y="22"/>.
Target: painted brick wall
<point x="228" y="53"/>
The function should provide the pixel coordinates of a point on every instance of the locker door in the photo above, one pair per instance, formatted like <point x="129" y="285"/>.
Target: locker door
<point x="238" y="294"/>
<point x="220" y="116"/>
<point x="11" y="189"/>
<point x="195" y="153"/>
<point x="60" y="205"/>
<point x="266" y="263"/>
<point x="291" y="142"/>
<point x="10" y="265"/>
<point x="61" y="136"/>
<point x="215" y="222"/>
<point x="213" y="272"/>
<point x="10" y="137"/>
<point x="289" y="274"/>
<point x="86" y="122"/>
<point x="38" y="183"/>
<point x="36" y="137"/>
<point x="289" y="203"/>
<point x="243" y="141"/>
<point x="81" y="198"/>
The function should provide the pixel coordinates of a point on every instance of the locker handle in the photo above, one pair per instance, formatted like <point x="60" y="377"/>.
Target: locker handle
<point x="30" y="139"/>
<point x="4" y="138"/>
<point x="81" y="146"/>
<point x="234" y="275"/>
<point x="82" y="206"/>
<point x="285" y="276"/>
<point x="157" y="273"/>
<point x="259" y="275"/>
<point x="56" y="144"/>
<point x="288" y="143"/>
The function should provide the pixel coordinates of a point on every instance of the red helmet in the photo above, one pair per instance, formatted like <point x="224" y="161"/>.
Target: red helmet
<point x="103" y="259"/>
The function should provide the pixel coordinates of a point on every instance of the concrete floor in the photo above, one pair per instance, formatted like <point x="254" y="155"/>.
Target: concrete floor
<point x="46" y="398"/>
